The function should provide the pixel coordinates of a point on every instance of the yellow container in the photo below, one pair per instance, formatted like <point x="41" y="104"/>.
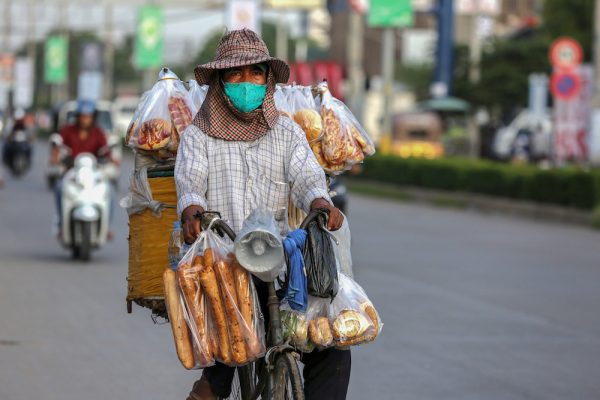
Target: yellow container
<point x="148" y="242"/>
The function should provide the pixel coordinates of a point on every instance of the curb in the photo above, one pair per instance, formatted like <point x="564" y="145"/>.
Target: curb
<point x="471" y="201"/>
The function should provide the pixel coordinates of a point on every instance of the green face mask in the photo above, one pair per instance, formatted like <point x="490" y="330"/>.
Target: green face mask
<point x="245" y="96"/>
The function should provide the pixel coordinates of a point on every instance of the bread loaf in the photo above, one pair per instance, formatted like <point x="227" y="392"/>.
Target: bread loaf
<point x="181" y="334"/>
<point x="226" y="281"/>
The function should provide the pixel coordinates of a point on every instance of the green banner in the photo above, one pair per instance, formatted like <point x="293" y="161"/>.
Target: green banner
<point x="56" y="55"/>
<point x="149" y="38"/>
<point x="391" y="13"/>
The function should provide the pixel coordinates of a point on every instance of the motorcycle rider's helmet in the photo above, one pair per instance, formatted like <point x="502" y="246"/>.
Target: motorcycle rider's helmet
<point x="55" y="140"/>
<point x="86" y="107"/>
<point x="19" y="114"/>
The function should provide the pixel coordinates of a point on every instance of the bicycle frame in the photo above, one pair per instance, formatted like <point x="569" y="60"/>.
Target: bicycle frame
<point x="275" y="342"/>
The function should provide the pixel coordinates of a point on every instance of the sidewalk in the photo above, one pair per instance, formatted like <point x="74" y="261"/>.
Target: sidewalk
<point x="477" y="202"/>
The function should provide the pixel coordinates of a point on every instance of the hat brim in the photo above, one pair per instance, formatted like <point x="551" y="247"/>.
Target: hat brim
<point x="280" y="69"/>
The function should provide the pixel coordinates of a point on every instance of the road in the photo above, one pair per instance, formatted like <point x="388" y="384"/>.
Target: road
<point x="474" y="306"/>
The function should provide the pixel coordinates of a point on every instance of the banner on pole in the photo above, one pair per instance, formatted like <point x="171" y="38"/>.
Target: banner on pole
<point x="56" y="57"/>
<point x="391" y="13"/>
<point x="243" y="14"/>
<point x="149" y="38"/>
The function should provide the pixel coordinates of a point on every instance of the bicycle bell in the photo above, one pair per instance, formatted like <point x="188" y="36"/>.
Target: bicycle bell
<point x="258" y="247"/>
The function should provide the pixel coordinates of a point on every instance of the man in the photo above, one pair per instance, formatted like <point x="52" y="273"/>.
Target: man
<point x="84" y="136"/>
<point x="240" y="154"/>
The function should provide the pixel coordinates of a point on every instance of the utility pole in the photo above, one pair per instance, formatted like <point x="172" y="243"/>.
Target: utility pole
<point x="109" y="52"/>
<point x="475" y="48"/>
<point x="387" y="61"/>
<point x="443" y="67"/>
<point x="595" y="123"/>
<point x="356" y="75"/>
<point x="281" y="41"/>
<point x="7" y="26"/>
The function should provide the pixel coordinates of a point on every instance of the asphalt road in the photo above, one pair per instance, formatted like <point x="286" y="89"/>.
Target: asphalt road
<point x="474" y="306"/>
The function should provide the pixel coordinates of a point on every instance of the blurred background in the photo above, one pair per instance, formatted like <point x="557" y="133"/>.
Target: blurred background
<point x="473" y="225"/>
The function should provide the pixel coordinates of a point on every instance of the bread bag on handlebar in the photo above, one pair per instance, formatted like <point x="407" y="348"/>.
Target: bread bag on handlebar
<point x="221" y="303"/>
<point x="352" y="315"/>
<point x="305" y="112"/>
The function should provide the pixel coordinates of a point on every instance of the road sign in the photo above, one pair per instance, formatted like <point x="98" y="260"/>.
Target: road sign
<point x="56" y="59"/>
<point x="565" y="53"/>
<point x="149" y="38"/>
<point x="565" y="85"/>
<point x="391" y="13"/>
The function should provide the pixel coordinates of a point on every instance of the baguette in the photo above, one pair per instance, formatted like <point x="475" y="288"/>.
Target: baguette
<point x="192" y="292"/>
<point x="245" y="301"/>
<point x="208" y="280"/>
<point x="319" y="332"/>
<point x="238" y="345"/>
<point x="209" y="257"/>
<point x="181" y="335"/>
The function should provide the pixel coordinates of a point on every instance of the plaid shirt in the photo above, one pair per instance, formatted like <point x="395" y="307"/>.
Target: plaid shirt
<point x="235" y="177"/>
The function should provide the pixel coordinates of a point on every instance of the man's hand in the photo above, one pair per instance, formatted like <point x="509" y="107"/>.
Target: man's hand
<point x="336" y="218"/>
<point x="191" y="225"/>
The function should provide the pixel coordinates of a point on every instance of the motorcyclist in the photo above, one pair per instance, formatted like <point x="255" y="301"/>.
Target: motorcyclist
<point x="83" y="136"/>
<point x="18" y="126"/>
<point x="239" y="152"/>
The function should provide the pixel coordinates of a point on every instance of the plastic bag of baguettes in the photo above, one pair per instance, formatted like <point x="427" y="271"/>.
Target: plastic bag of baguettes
<point x="344" y="141"/>
<point x="164" y="113"/>
<point x="305" y="112"/>
<point x="349" y="319"/>
<point x="219" y="306"/>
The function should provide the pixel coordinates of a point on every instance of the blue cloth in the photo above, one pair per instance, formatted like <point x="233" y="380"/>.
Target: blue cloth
<point x="296" y="293"/>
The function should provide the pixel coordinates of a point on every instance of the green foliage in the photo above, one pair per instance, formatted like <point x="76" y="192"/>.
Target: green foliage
<point x="505" y="70"/>
<point x="566" y="187"/>
<point x="417" y="77"/>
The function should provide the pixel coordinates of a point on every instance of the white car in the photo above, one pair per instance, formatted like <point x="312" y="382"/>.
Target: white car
<point x="124" y="107"/>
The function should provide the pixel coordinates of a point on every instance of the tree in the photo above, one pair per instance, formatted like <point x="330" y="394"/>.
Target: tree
<point x="574" y="18"/>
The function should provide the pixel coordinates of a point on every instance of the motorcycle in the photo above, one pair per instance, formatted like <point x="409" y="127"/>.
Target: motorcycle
<point x="85" y="206"/>
<point x="17" y="153"/>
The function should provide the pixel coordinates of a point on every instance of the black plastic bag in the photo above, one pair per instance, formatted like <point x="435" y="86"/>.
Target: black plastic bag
<point x="319" y="260"/>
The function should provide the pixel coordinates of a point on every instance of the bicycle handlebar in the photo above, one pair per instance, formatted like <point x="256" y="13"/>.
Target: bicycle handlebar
<point x="213" y="220"/>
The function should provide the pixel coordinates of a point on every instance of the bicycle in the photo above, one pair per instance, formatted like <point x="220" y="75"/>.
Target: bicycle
<point x="277" y="375"/>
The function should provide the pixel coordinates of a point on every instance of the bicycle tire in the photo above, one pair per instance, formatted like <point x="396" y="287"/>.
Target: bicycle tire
<point x="287" y="382"/>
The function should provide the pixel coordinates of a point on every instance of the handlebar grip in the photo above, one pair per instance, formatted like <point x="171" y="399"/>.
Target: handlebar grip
<point x="312" y="216"/>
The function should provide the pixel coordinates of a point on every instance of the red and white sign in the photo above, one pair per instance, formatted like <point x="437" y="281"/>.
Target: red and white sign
<point x="565" y="85"/>
<point x="572" y="119"/>
<point x="566" y="53"/>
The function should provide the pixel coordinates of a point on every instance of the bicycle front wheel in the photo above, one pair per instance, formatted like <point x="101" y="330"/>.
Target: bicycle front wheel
<point x="287" y="383"/>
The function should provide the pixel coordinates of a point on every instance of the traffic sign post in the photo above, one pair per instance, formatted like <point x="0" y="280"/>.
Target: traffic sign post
<point x="565" y="53"/>
<point x="565" y="85"/>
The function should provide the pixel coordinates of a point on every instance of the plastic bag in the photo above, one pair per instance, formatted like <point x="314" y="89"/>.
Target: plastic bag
<point x="281" y="102"/>
<point x="344" y="142"/>
<point x="309" y="330"/>
<point x="305" y="112"/>
<point x="221" y="304"/>
<point x="342" y="248"/>
<point x="140" y="196"/>
<point x="319" y="260"/>
<point x="352" y="316"/>
<point x="197" y="93"/>
<point x="164" y="114"/>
